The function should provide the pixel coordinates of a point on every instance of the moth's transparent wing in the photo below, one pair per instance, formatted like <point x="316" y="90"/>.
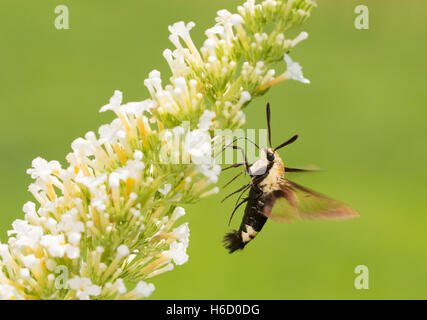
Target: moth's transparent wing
<point x="294" y="201"/>
<point x="281" y="205"/>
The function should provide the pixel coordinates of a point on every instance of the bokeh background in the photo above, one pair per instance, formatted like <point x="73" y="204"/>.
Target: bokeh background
<point x="363" y="119"/>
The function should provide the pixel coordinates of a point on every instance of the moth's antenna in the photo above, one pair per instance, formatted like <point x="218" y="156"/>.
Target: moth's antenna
<point x="268" y="123"/>
<point x="231" y="143"/>
<point x="287" y="142"/>
<point x="244" y="138"/>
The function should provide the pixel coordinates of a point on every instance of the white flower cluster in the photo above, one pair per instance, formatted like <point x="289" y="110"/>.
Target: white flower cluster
<point x="106" y="223"/>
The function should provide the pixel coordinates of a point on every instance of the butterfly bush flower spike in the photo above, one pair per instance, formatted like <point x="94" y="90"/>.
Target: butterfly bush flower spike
<point x="111" y="220"/>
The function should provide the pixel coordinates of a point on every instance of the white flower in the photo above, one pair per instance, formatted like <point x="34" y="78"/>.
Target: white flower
<point x="7" y="292"/>
<point x="301" y="37"/>
<point x="120" y="285"/>
<point x="114" y="180"/>
<point x="179" y="29"/>
<point x="24" y="273"/>
<point x="245" y="97"/>
<point x="84" y="288"/>
<point x="58" y="247"/>
<point x="248" y="6"/>
<point x="122" y="251"/>
<point x="29" y="208"/>
<point x="51" y="224"/>
<point x="178" y="213"/>
<point x="294" y="70"/>
<point x="138" y="155"/>
<point x="83" y="147"/>
<point x="74" y="237"/>
<point x="30" y="261"/>
<point x="198" y="145"/>
<point x="177" y="252"/>
<point x="111" y="133"/>
<point x="92" y="182"/>
<point x="26" y="234"/>
<point x="70" y="222"/>
<point x="115" y="102"/>
<point x="166" y="189"/>
<point x="236" y="20"/>
<point x="54" y="244"/>
<point x="216" y="30"/>
<point x="43" y="169"/>
<point x="138" y="108"/>
<point x="6" y="258"/>
<point x="176" y="62"/>
<point x="72" y="252"/>
<point x="50" y="264"/>
<point x="143" y="289"/>
<point x="182" y="233"/>
<point x="154" y="82"/>
<point x="206" y="119"/>
<point x="132" y="169"/>
<point x="211" y="171"/>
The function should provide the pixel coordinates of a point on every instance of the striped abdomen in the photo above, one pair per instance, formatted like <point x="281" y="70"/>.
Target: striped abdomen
<point x="252" y="223"/>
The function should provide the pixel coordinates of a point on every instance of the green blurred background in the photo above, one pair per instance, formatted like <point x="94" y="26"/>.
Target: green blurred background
<point x="363" y="119"/>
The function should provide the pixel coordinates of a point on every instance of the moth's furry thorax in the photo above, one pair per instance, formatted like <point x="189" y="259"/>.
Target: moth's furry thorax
<point x="274" y="174"/>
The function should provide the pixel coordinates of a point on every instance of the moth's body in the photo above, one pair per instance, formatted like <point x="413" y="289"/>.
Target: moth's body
<point x="274" y="172"/>
<point x="266" y="177"/>
<point x="272" y="196"/>
<point x="252" y="223"/>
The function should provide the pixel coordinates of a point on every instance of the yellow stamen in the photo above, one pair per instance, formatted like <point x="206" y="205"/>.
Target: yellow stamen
<point x="50" y="191"/>
<point x="95" y="217"/>
<point x="38" y="252"/>
<point x="129" y="185"/>
<point x="141" y="128"/>
<point x="125" y="124"/>
<point x="120" y="153"/>
<point x="85" y="169"/>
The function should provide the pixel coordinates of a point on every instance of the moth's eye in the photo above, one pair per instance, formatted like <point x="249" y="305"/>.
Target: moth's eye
<point x="270" y="156"/>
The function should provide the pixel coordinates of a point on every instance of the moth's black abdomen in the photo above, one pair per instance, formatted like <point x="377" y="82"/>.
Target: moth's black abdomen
<point x="252" y="223"/>
<point x="233" y="241"/>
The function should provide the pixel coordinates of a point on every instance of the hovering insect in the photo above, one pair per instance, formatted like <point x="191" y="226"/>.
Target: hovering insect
<point x="273" y="196"/>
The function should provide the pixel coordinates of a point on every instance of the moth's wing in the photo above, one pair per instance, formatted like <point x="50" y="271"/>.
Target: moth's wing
<point x="281" y="205"/>
<point x="294" y="201"/>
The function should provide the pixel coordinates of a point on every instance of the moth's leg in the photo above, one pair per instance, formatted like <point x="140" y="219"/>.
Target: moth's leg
<point x="238" y="175"/>
<point x="240" y="196"/>
<point x="236" y="165"/>
<point x="237" y="207"/>
<point x="237" y="191"/>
